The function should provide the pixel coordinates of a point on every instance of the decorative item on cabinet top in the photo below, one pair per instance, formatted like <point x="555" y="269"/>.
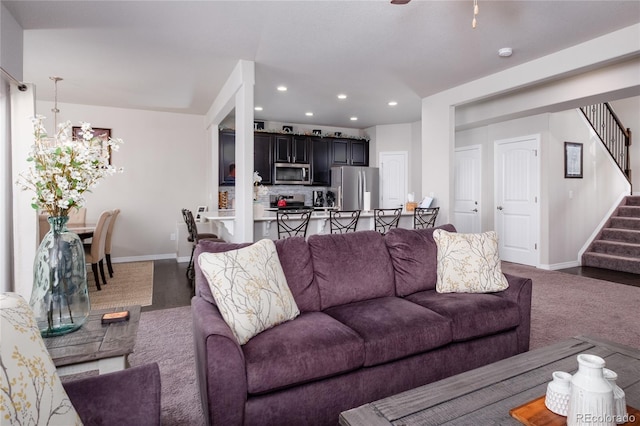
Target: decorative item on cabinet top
<point x="315" y="132"/>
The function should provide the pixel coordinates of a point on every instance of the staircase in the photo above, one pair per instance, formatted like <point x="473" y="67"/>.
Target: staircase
<point x="617" y="246"/>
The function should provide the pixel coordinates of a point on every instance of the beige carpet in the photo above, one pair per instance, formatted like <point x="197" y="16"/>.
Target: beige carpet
<point x="132" y="284"/>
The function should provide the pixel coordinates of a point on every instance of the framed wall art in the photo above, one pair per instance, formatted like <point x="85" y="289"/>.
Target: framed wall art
<point x="100" y="133"/>
<point x="572" y="160"/>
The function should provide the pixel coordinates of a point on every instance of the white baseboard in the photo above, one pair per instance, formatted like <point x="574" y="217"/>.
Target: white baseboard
<point x="563" y="265"/>
<point x="144" y="258"/>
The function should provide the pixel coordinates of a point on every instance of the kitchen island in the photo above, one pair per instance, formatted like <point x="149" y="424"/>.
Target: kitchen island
<point x="265" y="226"/>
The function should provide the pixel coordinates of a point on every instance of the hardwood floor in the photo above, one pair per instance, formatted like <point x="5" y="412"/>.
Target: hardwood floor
<point x="172" y="289"/>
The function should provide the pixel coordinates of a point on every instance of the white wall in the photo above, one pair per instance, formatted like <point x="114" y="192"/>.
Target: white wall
<point x="164" y="156"/>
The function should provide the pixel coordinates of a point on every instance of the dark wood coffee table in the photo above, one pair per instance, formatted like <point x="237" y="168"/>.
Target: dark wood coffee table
<point x="485" y="395"/>
<point x="96" y="346"/>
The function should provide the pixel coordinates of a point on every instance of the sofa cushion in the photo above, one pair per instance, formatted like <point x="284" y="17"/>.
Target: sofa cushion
<point x="31" y="388"/>
<point x="351" y="267"/>
<point x="468" y="263"/>
<point x="393" y="328"/>
<point x="414" y="258"/>
<point x="313" y="346"/>
<point x="473" y="314"/>
<point x="295" y="259"/>
<point x="249" y="288"/>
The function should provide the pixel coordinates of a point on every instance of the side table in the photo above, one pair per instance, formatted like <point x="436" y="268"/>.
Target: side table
<point x="96" y="346"/>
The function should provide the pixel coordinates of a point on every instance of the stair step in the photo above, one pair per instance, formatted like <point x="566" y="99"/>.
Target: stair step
<point x="614" y="263"/>
<point x="624" y="235"/>
<point x="617" y="248"/>
<point x="628" y="211"/>
<point x="632" y="200"/>
<point x="632" y="223"/>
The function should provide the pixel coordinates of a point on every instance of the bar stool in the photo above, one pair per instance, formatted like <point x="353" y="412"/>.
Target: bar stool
<point x="385" y="219"/>
<point x="425" y="217"/>
<point x="343" y="221"/>
<point x="292" y="223"/>
<point x="193" y="237"/>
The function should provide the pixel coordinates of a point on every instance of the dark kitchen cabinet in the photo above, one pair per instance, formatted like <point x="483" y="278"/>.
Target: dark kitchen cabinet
<point x="262" y="156"/>
<point x="291" y="149"/>
<point x="320" y="161"/>
<point x="347" y="152"/>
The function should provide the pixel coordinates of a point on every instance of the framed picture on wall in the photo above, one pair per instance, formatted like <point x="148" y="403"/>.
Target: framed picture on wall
<point x="572" y="160"/>
<point x="102" y="134"/>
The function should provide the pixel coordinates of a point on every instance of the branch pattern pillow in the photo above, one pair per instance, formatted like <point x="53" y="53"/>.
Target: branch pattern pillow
<point x="31" y="392"/>
<point x="250" y="288"/>
<point x="468" y="263"/>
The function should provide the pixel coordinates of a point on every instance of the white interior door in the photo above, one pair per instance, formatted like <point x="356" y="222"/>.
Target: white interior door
<point x="517" y="180"/>
<point x="467" y="189"/>
<point x="393" y="179"/>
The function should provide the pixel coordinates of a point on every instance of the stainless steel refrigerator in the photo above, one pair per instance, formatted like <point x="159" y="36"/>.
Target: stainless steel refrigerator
<point x="355" y="186"/>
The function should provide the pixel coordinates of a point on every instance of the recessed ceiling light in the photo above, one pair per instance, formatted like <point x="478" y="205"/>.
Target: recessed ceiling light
<point x="354" y="119"/>
<point x="308" y="114"/>
<point x="505" y="52"/>
<point x="258" y="108"/>
<point x="342" y="96"/>
<point x="282" y="88"/>
<point x="392" y="103"/>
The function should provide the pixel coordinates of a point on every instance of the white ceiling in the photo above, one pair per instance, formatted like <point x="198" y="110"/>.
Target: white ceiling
<point x="176" y="55"/>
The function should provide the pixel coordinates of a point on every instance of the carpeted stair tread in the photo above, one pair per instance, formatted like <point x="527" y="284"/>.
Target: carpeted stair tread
<point x="621" y="222"/>
<point x="623" y="235"/>
<point x="633" y="200"/>
<point x="628" y="211"/>
<point x="608" y="261"/>
<point x="617" y="248"/>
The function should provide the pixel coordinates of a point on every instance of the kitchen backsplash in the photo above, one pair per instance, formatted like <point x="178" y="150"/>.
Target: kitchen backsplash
<point x="307" y="191"/>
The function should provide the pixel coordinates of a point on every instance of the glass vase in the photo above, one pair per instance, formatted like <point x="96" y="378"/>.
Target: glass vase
<point x="59" y="299"/>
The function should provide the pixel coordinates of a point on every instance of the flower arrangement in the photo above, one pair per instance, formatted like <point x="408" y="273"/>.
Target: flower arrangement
<point x="258" y="188"/>
<point x="64" y="169"/>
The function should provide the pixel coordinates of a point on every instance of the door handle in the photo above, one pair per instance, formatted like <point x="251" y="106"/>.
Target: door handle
<point x="499" y="207"/>
<point x="475" y="210"/>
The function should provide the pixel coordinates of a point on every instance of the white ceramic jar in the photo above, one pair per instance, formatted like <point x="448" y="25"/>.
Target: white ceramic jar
<point x="619" y="398"/>
<point x="558" y="393"/>
<point x="591" y="401"/>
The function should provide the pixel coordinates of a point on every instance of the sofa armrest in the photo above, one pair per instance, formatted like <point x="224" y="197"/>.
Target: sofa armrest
<point x="220" y="366"/>
<point x="519" y="292"/>
<point x="128" y="397"/>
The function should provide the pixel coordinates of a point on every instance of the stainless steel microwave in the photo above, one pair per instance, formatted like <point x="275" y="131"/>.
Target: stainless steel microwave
<point x="292" y="174"/>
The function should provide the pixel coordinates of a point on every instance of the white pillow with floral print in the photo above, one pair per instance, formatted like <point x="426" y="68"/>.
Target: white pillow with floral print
<point x="32" y="393"/>
<point x="468" y="263"/>
<point x="250" y="288"/>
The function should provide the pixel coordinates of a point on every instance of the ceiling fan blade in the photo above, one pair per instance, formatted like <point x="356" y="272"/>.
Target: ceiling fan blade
<point x="400" y="1"/>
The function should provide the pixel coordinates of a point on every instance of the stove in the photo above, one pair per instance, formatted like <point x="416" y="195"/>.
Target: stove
<point x="294" y="202"/>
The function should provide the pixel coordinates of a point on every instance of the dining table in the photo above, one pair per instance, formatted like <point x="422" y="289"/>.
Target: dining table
<point x="84" y="232"/>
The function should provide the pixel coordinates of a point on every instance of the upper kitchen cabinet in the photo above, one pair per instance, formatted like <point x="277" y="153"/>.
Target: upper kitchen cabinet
<point x="262" y="156"/>
<point x="227" y="144"/>
<point x="321" y="161"/>
<point x="291" y="149"/>
<point x="348" y="152"/>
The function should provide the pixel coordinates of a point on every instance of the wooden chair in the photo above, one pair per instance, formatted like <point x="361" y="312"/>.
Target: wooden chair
<point x="385" y="219"/>
<point x="94" y="251"/>
<point x="292" y="223"/>
<point x="193" y="237"/>
<point x="425" y="218"/>
<point x="343" y="221"/>
<point x="107" y="247"/>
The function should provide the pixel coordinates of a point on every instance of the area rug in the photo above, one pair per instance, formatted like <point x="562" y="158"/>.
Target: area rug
<point x="132" y="284"/>
<point x="563" y="305"/>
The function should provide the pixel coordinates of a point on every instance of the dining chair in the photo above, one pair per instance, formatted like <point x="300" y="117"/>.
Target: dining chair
<point x="343" y="221"/>
<point x="94" y="251"/>
<point x="425" y="217"/>
<point x="292" y="223"/>
<point x="193" y="237"/>
<point x="107" y="245"/>
<point x="385" y="219"/>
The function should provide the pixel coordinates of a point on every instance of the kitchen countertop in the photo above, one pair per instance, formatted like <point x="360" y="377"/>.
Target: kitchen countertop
<point x="270" y="215"/>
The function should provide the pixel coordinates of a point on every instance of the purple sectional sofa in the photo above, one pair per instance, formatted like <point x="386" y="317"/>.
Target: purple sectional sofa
<point x="371" y="325"/>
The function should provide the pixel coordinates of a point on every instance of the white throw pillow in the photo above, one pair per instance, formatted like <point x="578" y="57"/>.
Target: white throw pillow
<point x="250" y="288"/>
<point x="468" y="263"/>
<point x="32" y="392"/>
